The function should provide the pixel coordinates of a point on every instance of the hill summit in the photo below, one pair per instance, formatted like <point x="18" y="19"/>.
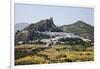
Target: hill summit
<point x="80" y="28"/>
<point x="43" y="25"/>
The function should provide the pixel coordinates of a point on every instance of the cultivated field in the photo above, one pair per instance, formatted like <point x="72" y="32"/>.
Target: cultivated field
<point x="58" y="53"/>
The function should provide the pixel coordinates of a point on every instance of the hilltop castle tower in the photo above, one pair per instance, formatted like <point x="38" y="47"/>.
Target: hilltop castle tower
<point x="51" y="20"/>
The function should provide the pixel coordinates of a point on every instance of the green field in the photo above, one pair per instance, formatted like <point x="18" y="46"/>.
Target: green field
<point x="59" y="53"/>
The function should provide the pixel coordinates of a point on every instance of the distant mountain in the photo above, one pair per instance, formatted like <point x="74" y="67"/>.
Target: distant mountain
<point x="43" y="25"/>
<point x="20" y="26"/>
<point x="80" y="28"/>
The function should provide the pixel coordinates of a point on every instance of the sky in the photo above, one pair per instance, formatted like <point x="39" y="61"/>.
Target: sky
<point x="62" y="15"/>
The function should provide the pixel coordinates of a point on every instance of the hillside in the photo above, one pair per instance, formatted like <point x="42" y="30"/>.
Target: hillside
<point x="80" y="28"/>
<point x="31" y="32"/>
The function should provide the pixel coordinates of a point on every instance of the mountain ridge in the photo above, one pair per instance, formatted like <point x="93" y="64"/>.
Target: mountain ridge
<point x="79" y="28"/>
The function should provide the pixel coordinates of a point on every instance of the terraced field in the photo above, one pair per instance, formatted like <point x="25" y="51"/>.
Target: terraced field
<point x="38" y="54"/>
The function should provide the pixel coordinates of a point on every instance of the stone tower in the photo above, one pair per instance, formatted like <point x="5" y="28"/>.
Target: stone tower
<point x="51" y="20"/>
